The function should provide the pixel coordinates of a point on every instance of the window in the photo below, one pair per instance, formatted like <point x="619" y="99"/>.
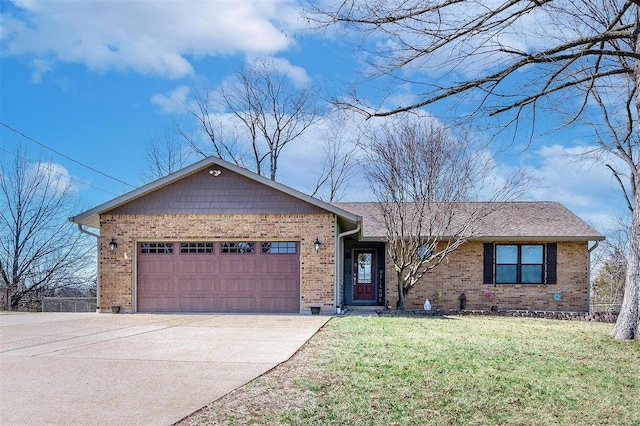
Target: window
<point x="156" y="248"/>
<point x="196" y="247"/>
<point x="365" y="261"/>
<point x="517" y="264"/>
<point x="241" y="247"/>
<point x="424" y="251"/>
<point x="278" y="247"/>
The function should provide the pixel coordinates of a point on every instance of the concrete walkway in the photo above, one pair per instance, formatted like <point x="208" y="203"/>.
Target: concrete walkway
<point x="137" y="369"/>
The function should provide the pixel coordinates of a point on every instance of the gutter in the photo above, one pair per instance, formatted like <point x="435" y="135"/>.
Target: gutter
<point x="589" y="250"/>
<point x="97" y="237"/>
<point x="337" y="262"/>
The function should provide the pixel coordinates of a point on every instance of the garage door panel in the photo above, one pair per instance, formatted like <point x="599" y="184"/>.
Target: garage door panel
<point x="158" y="285"/>
<point x="157" y="267"/>
<point x="159" y="304"/>
<point x="196" y="266"/>
<point x="193" y="284"/>
<point x="238" y="265"/>
<point x="241" y="285"/>
<point x="277" y="304"/>
<point x="237" y="304"/>
<point x="276" y="284"/>
<point x="219" y="282"/>
<point x="197" y="304"/>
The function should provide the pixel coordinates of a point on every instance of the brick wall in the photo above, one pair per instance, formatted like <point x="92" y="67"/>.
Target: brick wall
<point x="117" y="272"/>
<point x="462" y="271"/>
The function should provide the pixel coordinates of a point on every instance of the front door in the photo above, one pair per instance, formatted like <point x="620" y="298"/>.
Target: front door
<point x="364" y="271"/>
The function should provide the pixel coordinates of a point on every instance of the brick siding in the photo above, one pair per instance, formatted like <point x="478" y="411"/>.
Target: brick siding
<point x="117" y="271"/>
<point x="462" y="272"/>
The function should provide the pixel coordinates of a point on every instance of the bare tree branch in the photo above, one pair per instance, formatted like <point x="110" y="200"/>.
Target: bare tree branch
<point x="251" y="118"/>
<point x="164" y="154"/>
<point x="40" y="250"/>
<point x="422" y="176"/>
<point x="340" y="149"/>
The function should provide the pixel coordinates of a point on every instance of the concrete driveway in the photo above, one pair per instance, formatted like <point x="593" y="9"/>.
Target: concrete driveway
<point x="139" y="369"/>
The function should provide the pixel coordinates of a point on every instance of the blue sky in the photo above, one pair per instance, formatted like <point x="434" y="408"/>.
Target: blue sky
<point x="93" y="80"/>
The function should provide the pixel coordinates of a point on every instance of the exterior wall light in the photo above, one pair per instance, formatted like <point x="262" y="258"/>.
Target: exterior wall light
<point x="316" y="244"/>
<point x="113" y="245"/>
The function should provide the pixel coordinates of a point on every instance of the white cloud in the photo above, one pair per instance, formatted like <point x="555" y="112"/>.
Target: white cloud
<point x="297" y="75"/>
<point x="56" y="178"/>
<point x="40" y="67"/>
<point x="173" y="102"/>
<point x="148" y="37"/>
<point x="585" y="187"/>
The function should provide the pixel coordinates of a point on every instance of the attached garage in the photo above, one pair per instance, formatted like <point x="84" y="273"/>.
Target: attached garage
<point x="214" y="237"/>
<point x="218" y="276"/>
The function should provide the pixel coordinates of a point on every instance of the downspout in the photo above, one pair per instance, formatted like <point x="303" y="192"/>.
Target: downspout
<point x="589" y="273"/>
<point x="336" y="263"/>
<point x="97" y="237"/>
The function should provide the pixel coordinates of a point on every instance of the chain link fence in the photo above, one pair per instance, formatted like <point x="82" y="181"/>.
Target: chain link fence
<point x="612" y="308"/>
<point x="69" y="304"/>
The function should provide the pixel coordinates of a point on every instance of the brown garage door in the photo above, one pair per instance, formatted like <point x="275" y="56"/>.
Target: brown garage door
<point x="218" y="277"/>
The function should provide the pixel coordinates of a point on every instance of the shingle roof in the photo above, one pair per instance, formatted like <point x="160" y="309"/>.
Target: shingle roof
<point x="535" y="220"/>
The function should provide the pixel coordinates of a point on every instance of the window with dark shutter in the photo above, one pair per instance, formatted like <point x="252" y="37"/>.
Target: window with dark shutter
<point x="515" y="264"/>
<point x="488" y="263"/>
<point x="552" y="263"/>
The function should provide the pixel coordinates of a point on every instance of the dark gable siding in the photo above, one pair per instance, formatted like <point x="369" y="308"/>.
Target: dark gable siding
<point x="229" y="193"/>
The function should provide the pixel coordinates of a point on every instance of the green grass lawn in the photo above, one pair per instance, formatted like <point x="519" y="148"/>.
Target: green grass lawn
<point x="457" y="370"/>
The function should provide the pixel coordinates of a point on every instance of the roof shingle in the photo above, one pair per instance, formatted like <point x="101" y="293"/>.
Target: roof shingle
<point x="530" y="220"/>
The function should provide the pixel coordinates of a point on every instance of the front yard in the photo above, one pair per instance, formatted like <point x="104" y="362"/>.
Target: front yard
<point x="450" y="370"/>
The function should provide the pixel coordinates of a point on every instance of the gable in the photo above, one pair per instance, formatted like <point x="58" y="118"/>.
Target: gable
<point x="213" y="186"/>
<point x="226" y="193"/>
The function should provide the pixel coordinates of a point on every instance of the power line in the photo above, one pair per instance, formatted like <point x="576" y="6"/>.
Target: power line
<point x="57" y="172"/>
<point x="65" y="156"/>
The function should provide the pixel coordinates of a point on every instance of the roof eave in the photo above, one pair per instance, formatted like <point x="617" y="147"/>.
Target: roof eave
<point x="514" y="238"/>
<point x="563" y="238"/>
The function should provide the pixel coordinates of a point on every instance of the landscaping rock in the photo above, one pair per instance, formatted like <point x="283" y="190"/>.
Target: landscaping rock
<point x="557" y="315"/>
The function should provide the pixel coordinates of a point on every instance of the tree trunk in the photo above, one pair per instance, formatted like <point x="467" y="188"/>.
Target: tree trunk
<point x="628" y="323"/>
<point x="14" y="301"/>
<point x="402" y="294"/>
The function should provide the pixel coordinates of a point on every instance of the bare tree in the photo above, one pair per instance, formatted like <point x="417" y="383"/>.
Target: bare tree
<point x="609" y="267"/>
<point x="254" y="116"/>
<point x="508" y="60"/>
<point x="340" y="148"/>
<point x="421" y="176"/>
<point x="164" y="153"/>
<point x="206" y="108"/>
<point x="608" y="285"/>
<point x="40" y="250"/>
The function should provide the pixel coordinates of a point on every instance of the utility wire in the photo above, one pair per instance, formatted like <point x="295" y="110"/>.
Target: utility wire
<point x="49" y="168"/>
<point x="65" y="156"/>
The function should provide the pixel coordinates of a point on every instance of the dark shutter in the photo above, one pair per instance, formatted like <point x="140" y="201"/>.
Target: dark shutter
<point x="552" y="263"/>
<point x="488" y="263"/>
